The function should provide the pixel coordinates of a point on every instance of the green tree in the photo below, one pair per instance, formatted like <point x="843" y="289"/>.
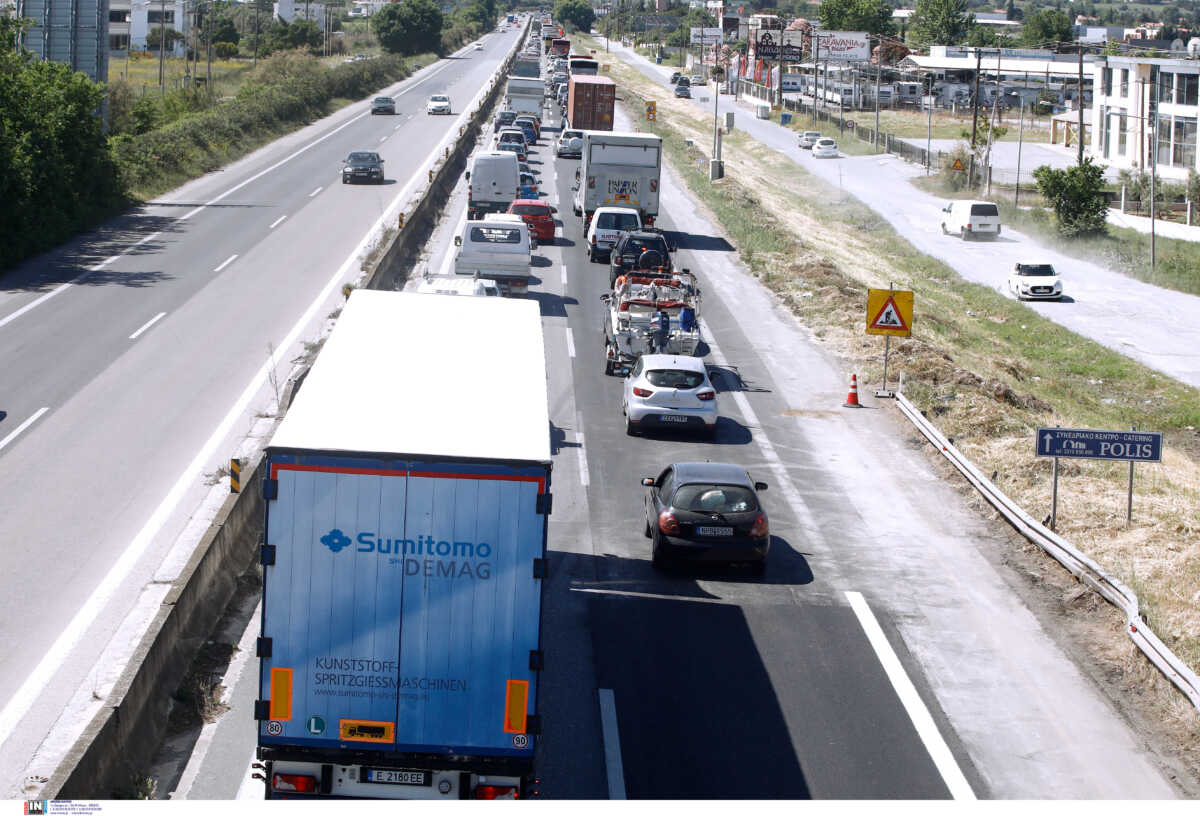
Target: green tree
<point x="872" y="16"/>
<point x="940" y="22"/>
<point x="1047" y="27"/>
<point x="576" y="12"/>
<point x="409" y="27"/>
<point x="224" y="31"/>
<point x="299" y="33"/>
<point x="56" y="174"/>
<point x="158" y="34"/>
<point x="1076" y="195"/>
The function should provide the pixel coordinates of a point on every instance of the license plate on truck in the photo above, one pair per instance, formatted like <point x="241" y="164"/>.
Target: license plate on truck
<point x="392" y="776"/>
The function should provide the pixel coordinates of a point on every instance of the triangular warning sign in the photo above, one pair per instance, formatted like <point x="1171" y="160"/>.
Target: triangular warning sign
<point x="958" y="165"/>
<point x="889" y="317"/>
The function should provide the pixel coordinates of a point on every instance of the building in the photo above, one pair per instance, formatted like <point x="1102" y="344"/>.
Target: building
<point x="131" y="22"/>
<point x="73" y="32"/>
<point x="289" y="10"/>
<point x="1146" y="112"/>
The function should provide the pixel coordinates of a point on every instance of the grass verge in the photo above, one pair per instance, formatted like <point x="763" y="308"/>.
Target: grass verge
<point x="987" y="369"/>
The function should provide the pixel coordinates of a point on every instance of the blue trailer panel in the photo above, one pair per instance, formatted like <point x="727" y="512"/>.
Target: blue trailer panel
<point x="401" y="604"/>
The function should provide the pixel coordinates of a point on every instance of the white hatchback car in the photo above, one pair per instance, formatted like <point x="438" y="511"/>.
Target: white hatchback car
<point x="438" y="103"/>
<point x="809" y="138"/>
<point x="1035" y="282"/>
<point x="825" y="148"/>
<point x="665" y="391"/>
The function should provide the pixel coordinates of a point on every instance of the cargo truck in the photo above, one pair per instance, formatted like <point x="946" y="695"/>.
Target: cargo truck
<point x="619" y="170"/>
<point x="404" y="555"/>
<point x="525" y="95"/>
<point x="527" y="67"/>
<point x="590" y="101"/>
<point x="560" y="47"/>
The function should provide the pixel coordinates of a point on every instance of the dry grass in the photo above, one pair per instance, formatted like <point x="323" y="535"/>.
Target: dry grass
<point x="142" y="73"/>
<point x="988" y="370"/>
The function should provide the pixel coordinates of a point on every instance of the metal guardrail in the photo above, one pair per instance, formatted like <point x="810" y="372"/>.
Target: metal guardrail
<point x="1082" y="567"/>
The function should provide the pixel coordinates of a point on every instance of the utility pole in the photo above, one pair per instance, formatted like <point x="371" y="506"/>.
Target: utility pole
<point x="1020" y="139"/>
<point x="928" y="99"/>
<point x="208" y="28"/>
<point x="1154" y="77"/>
<point x="878" y="71"/>
<point x="254" y="63"/>
<point x="816" y="66"/>
<point x="782" y="40"/>
<point x="162" y="17"/>
<point x="975" y="101"/>
<point x="1079" y="100"/>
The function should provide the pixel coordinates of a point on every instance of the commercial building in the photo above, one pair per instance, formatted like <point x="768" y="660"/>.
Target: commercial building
<point x="1145" y="113"/>
<point x="73" y="32"/>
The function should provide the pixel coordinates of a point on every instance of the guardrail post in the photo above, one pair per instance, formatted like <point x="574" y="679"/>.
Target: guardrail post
<point x="431" y="175"/>
<point x="235" y="476"/>
<point x="400" y="221"/>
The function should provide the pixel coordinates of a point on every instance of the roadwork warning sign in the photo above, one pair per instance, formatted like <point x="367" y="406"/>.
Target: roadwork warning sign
<point x="958" y="165"/>
<point x="889" y="311"/>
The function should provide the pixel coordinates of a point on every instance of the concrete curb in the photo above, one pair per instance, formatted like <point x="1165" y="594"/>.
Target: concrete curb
<point x="124" y="736"/>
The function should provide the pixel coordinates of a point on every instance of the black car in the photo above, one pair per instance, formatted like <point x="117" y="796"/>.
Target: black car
<point x="675" y="78"/>
<point x="362" y="165"/>
<point x="641" y="249"/>
<point x="383" y="104"/>
<point x="706" y="512"/>
<point x="503" y="119"/>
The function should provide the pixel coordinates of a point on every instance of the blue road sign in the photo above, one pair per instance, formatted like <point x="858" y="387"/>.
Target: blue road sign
<point x="1076" y="443"/>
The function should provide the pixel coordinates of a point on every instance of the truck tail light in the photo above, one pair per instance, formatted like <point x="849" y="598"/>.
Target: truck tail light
<point x="759" y="529"/>
<point x="591" y="182"/>
<point x="654" y="185"/>
<point x="496" y="792"/>
<point x="667" y="523"/>
<point x="649" y="221"/>
<point x="593" y="239"/>
<point x="707" y="395"/>
<point x="294" y="783"/>
<point x="642" y="392"/>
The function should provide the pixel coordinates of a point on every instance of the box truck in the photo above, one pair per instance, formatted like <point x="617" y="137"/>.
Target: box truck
<point x="619" y="170"/>
<point x="525" y="95"/>
<point x="404" y="555"/>
<point x="590" y="102"/>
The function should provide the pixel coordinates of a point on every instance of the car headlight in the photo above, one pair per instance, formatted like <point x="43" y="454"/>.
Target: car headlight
<point x="1058" y="285"/>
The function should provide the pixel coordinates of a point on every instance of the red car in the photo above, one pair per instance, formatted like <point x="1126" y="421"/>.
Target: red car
<point x="537" y="215"/>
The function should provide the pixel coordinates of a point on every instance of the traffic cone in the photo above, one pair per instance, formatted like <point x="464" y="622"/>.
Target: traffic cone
<point x="852" y="399"/>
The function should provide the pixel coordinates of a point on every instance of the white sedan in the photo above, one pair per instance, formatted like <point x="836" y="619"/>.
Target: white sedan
<point x="1035" y="282"/>
<point x="825" y="148"/>
<point x="438" y="103"/>
<point x="666" y="391"/>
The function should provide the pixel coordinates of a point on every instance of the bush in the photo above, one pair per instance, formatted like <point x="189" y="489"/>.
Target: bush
<point x="956" y="180"/>
<point x="1076" y="195"/>
<point x="225" y="50"/>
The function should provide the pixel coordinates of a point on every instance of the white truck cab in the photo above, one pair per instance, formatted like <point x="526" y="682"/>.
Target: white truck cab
<point x="495" y="248"/>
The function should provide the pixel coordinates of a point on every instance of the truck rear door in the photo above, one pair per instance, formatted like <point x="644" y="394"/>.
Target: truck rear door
<point x="401" y="608"/>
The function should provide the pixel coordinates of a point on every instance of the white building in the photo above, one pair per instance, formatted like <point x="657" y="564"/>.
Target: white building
<point x="1145" y="110"/>
<point x="289" y="10"/>
<point x="131" y="21"/>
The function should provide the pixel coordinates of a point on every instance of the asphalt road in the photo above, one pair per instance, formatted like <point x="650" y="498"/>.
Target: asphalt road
<point x="884" y="653"/>
<point x="135" y="360"/>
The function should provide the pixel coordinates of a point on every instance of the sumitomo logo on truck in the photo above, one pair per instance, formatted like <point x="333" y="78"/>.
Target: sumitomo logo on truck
<point x="424" y="555"/>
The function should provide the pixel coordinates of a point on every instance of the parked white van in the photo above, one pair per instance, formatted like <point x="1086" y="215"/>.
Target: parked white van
<point x="971" y="219"/>
<point x="493" y="182"/>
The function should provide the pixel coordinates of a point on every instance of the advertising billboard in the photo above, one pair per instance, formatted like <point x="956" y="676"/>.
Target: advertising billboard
<point x="843" y="46"/>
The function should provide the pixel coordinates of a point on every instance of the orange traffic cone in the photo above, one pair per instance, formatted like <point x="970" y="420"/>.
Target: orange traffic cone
<point x="852" y="399"/>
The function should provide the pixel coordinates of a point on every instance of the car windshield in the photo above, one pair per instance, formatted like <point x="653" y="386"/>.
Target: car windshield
<point x="812" y="134"/>
<point x="530" y="209"/>
<point x="617" y="221"/>
<point x="506" y="117"/>
<point x="386" y="100"/>
<point x="710" y="498"/>
<point x="439" y="99"/>
<point x="573" y="134"/>
<point x="672" y="378"/>
<point x="1037" y="270"/>
<point x="362" y="158"/>
<point x="495" y="235"/>
<point x="984" y="209"/>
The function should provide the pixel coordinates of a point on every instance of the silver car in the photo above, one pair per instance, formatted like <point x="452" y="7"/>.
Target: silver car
<point x="669" y="391"/>
<point x="570" y="143"/>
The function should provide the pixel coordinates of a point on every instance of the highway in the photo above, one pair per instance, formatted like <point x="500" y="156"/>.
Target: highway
<point x="883" y="655"/>
<point x="136" y="360"/>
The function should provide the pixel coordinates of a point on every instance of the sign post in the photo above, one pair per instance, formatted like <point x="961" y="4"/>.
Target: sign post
<point x="1076" y="443"/>
<point x="889" y="312"/>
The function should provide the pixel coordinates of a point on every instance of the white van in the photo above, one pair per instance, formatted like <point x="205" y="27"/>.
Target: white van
<point x="493" y="182"/>
<point x="607" y="226"/>
<point x="496" y="248"/>
<point x="971" y="219"/>
<point x="476" y="287"/>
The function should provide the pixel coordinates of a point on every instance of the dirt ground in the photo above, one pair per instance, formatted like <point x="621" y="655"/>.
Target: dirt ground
<point x="982" y="392"/>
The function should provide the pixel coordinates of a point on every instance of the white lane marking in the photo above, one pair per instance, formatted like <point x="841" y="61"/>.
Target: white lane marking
<point x="612" y="744"/>
<point x="383" y="139"/>
<point x="19" y="704"/>
<point x="149" y="237"/>
<point x="570" y="343"/>
<point x="150" y="323"/>
<point x="564" y="275"/>
<point x="397" y="127"/>
<point x="17" y="431"/>
<point x="47" y="296"/>
<point x="226" y="263"/>
<point x="277" y="222"/>
<point x="927" y="730"/>
<point x="314" y="192"/>
<point x="583" y="462"/>
<point x="233" y="676"/>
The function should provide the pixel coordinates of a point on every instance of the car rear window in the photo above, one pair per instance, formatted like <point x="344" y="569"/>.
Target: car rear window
<point x="710" y="498"/>
<point x="617" y="221"/>
<point x="530" y="209"/>
<point x="984" y="209"/>
<point x="507" y="116"/>
<point x="672" y="378"/>
<point x="638" y="244"/>
<point x="495" y="235"/>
